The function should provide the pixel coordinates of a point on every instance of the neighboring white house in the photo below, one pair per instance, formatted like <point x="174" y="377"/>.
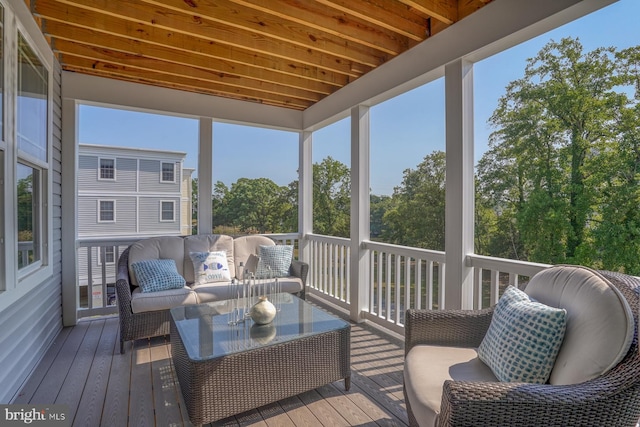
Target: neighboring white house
<point x="126" y="193"/>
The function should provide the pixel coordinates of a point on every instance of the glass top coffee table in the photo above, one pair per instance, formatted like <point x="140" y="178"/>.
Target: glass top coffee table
<point x="225" y="369"/>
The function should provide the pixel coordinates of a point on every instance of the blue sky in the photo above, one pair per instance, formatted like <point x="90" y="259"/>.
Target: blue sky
<point x="403" y="130"/>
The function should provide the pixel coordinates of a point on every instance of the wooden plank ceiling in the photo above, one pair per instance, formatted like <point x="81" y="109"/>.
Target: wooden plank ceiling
<point x="288" y="53"/>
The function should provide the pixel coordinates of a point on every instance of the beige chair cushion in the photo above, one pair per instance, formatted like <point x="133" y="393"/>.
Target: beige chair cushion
<point x="215" y="291"/>
<point x="245" y="246"/>
<point x="290" y="284"/>
<point x="427" y="367"/>
<point x="600" y="323"/>
<point x="207" y="243"/>
<point x="165" y="247"/>
<point x="161" y="300"/>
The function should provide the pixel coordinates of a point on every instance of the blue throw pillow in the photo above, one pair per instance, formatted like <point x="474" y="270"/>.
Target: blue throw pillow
<point x="277" y="257"/>
<point x="157" y="275"/>
<point x="523" y="339"/>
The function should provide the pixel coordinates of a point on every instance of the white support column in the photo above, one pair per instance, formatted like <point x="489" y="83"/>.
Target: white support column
<point x="459" y="212"/>
<point x="205" y="175"/>
<point x="360" y="229"/>
<point x="305" y="193"/>
<point x="69" y="212"/>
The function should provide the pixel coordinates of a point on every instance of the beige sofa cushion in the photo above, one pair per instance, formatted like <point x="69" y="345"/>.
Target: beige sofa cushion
<point x="161" y="300"/>
<point x="600" y="323"/>
<point x="427" y="367"/>
<point x="165" y="247"/>
<point x="245" y="246"/>
<point x="207" y="243"/>
<point x="215" y="291"/>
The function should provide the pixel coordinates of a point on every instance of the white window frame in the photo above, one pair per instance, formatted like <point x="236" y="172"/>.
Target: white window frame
<point x="105" y="221"/>
<point x="173" y="165"/>
<point x="39" y="270"/>
<point x="99" y="255"/>
<point x="173" y="210"/>
<point x="100" y="159"/>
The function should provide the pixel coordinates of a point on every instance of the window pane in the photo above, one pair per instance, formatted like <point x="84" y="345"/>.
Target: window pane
<point x="107" y="210"/>
<point x="167" y="211"/>
<point x="28" y="215"/>
<point x="108" y="255"/>
<point x="167" y="172"/>
<point x="107" y="169"/>
<point x="32" y="102"/>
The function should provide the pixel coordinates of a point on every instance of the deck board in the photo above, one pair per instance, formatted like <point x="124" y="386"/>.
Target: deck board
<point x="85" y="370"/>
<point x="95" y="391"/>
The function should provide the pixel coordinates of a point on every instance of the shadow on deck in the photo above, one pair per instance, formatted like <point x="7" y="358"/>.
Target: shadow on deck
<point x="85" y="371"/>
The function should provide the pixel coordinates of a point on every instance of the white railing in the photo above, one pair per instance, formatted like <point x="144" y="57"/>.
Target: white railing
<point x="401" y="278"/>
<point x="285" y="238"/>
<point x="96" y="277"/>
<point x="25" y="251"/>
<point x="398" y="278"/>
<point x="329" y="268"/>
<point x="492" y="275"/>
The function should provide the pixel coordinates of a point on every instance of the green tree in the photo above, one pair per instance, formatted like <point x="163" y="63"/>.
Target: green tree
<point x="552" y="125"/>
<point x="25" y="208"/>
<point x="564" y="162"/>
<point x="378" y="207"/>
<point x="255" y="204"/>
<point x="416" y="213"/>
<point x="194" y="205"/>
<point x="219" y="205"/>
<point x="331" y="198"/>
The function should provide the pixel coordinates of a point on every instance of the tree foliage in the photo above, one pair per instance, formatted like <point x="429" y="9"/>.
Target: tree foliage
<point x="331" y="198"/>
<point x="561" y="166"/>
<point x="415" y="216"/>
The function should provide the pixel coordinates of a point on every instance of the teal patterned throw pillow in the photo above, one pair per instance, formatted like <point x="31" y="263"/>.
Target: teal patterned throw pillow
<point x="277" y="257"/>
<point x="157" y="275"/>
<point x="523" y="339"/>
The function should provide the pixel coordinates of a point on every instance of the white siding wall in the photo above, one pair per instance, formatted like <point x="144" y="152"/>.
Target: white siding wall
<point x="88" y="175"/>
<point x="150" y="178"/>
<point x="30" y="325"/>
<point x="125" y="224"/>
<point x="150" y="216"/>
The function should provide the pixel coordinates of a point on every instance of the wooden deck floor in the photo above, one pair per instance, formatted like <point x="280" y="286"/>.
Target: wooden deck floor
<point x="84" y="370"/>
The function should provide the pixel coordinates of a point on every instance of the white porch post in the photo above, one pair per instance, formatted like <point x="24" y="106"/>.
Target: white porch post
<point x="205" y="169"/>
<point x="305" y="194"/>
<point x="69" y="211"/>
<point x="360" y="229"/>
<point x="459" y="211"/>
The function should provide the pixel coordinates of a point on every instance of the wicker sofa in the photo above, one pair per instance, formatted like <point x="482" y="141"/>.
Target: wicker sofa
<point x="445" y="383"/>
<point x="144" y="315"/>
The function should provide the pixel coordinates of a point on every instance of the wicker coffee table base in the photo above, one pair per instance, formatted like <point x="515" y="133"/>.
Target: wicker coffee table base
<point x="218" y="388"/>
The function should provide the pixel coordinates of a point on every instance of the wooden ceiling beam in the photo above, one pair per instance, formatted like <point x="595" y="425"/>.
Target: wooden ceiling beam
<point x="134" y="74"/>
<point x="61" y="33"/>
<point x="442" y="10"/>
<point x="124" y="77"/>
<point x="391" y="15"/>
<point x="310" y="15"/>
<point x="264" y="33"/>
<point x="467" y="7"/>
<point x="184" y="72"/>
<point x="227" y="39"/>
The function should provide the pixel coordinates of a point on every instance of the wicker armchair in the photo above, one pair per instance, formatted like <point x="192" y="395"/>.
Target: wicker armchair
<point x="611" y="399"/>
